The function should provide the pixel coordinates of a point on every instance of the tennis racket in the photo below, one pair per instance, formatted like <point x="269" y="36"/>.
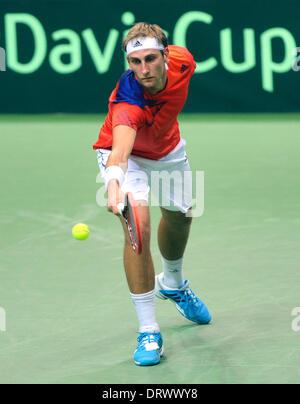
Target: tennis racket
<point x="129" y="213"/>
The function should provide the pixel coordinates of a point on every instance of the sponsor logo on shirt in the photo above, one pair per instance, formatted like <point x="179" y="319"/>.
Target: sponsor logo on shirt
<point x="183" y="68"/>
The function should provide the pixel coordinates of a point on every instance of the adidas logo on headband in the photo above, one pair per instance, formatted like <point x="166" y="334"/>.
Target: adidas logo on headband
<point x="137" y="44"/>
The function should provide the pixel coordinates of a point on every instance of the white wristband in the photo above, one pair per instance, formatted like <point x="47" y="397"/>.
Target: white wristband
<point x="114" y="173"/>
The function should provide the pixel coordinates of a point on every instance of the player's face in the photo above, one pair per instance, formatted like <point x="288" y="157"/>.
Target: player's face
<point x="149" y="68"/>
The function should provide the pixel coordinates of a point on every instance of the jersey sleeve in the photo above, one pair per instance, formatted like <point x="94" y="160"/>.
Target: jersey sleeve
<point x="190" y="59"/>
<point x="128" y="115"/>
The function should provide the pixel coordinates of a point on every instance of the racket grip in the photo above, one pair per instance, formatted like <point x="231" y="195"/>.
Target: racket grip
<point x="120" y="207"/>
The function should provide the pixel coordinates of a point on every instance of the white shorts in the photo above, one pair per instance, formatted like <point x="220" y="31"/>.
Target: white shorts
<point x="169" y="178"/>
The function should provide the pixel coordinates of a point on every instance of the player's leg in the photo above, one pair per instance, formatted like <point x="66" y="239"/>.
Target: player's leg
<point x="140" y="277"/>
<point x="173" y="234"/>
<point x="139" y="272"/>
<point x="139" y="268"/>
<point x="175" y="198"/>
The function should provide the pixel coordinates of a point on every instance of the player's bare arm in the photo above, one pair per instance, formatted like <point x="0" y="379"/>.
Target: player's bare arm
<point x="123" y="140"/>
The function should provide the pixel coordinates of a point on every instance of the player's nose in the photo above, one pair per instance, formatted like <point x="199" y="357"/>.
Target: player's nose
<point x="145" y="68"/>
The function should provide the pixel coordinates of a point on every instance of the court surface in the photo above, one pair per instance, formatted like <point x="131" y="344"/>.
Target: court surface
<point x="69" y="317"/>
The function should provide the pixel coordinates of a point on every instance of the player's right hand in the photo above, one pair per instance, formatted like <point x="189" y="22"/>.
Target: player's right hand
<point x="114" y="197"/>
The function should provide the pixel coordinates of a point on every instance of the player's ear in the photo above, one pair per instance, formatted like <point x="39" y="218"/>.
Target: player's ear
<point x="166" y="55"/>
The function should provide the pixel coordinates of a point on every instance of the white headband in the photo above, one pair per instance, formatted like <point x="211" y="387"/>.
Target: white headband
<point x="141" y="43"/>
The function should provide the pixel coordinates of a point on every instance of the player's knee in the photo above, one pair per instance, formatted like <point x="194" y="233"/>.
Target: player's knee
<point x="177" y="219"/>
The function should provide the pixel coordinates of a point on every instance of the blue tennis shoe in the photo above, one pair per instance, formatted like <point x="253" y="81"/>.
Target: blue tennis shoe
<point x="187" y="303"/>
<point x="149" y="350"/>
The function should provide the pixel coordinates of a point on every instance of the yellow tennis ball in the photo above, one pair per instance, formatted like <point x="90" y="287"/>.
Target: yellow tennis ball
<point x="80" y="231"/>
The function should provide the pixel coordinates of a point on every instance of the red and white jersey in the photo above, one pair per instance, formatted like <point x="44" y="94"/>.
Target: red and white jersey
<point x="154" y="117"/>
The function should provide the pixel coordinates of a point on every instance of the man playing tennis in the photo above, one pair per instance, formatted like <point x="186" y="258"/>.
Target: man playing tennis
<point x="140" y="137"/>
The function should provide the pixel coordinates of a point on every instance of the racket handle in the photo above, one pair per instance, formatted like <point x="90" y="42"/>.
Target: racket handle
<point x="120" y="207"/>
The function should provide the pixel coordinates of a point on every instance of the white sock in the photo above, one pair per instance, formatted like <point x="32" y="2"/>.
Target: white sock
<point x="173" y="277"/>
<point x="145" y="310"/>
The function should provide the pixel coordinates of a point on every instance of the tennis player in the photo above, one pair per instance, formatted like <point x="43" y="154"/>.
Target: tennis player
<point x="141" y="137"/>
